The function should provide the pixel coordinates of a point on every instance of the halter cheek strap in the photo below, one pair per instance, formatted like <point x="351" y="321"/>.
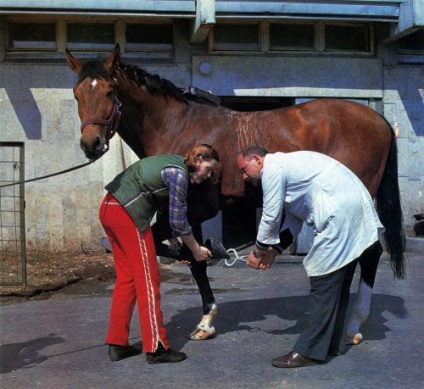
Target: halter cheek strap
<point x="112" y="123"/>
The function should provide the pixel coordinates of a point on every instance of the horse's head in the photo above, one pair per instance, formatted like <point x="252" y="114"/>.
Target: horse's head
<point x="98" y="105"/>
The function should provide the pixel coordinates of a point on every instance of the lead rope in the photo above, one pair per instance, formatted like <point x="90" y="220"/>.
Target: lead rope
<point x="49" y="175"/>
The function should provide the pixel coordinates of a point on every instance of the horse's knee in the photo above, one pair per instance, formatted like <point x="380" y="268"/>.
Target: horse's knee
<point x="198" y="269"/>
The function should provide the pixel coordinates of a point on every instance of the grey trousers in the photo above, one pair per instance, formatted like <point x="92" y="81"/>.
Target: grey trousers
<point x="329" y="301"/>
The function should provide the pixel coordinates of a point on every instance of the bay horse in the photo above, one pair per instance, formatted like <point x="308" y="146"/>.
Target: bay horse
<point x="154" y="116"/>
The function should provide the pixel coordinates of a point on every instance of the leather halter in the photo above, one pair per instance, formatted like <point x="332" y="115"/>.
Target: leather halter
<point x="111" y="123"/>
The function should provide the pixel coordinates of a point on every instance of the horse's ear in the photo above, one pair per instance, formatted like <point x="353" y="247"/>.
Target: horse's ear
<point x="74" y="63"/>
<point x="113" y="58"/>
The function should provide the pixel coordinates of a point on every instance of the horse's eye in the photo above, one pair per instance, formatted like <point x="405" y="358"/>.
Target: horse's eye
<point x="110" y="93"/>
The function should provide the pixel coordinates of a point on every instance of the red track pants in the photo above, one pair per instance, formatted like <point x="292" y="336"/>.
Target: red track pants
<point x="137" y="278"/>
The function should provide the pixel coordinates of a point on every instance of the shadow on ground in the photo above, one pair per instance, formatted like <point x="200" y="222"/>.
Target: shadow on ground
<point x="251" y="315"/>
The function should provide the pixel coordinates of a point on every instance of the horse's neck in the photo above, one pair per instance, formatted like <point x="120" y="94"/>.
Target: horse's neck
<point x="149" y="124"/>
<point x="131" y="138"/>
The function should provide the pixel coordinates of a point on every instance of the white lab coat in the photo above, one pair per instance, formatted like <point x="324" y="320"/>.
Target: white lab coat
<point x="320" y="191"/>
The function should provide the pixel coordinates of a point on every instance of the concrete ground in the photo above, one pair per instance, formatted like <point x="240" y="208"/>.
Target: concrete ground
<point x="59" y="343"/>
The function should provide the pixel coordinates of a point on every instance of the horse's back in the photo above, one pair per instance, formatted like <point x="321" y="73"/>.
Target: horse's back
<point x="347" y="131"/>
<point x="352" y="133"/>
<point x="326" y="125"/>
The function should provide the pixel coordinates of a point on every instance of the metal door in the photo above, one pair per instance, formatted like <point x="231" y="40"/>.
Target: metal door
<point x="12" y="215"/>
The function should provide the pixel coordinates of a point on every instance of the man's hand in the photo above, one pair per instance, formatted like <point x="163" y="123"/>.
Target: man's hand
<point x="252" y="260"/>
<point x="261" y="259"/>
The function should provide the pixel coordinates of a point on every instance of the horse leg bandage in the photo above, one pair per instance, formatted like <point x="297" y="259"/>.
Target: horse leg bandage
<point x="204" y="330"/>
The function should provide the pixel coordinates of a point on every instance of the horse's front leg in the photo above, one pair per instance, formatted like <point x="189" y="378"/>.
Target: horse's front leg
<point x="202" y="204"/>
<point x="161" y="232"/>
<point x="204" y="329"/>
<point x="369" y="262"/>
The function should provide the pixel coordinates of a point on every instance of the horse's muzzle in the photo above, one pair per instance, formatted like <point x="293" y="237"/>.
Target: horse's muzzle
<point x="94" y="150"/>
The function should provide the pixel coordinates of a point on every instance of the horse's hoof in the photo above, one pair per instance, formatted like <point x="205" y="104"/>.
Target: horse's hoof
<point x="354" y="339"/>
<point x="199" y="334"/>
<point x="217" y="249"/>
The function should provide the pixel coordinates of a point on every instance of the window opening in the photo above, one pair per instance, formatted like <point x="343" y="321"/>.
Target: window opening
<point x="90" y="36"/>
<point x="284" y="36"/>
<point x="347" y="38"/>
<point x="236" y="37"/>
<point x="32" y="36"/>
<point x="151" y="37"/>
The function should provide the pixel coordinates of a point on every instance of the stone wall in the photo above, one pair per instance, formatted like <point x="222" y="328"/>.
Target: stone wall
<point x="38" y="109"/>
<point x="404" y="108"/>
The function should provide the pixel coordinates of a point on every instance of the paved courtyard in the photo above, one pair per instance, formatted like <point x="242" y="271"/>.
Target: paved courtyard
<point x="59" y="343"/>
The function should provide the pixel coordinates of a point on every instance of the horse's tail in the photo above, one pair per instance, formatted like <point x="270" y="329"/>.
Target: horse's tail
<point x="390" y="212"/>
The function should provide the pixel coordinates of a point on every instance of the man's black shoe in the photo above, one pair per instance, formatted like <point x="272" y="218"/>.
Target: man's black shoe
<point x="293" y="360"/>
<point x="116" y="353"/>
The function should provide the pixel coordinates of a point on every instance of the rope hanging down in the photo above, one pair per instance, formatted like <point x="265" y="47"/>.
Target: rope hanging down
<point x="49" y="175"/>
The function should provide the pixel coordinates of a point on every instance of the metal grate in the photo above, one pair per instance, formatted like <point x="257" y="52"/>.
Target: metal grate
<point x="12" y="215"/>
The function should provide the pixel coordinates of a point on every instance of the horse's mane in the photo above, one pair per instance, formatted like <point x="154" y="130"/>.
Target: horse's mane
<point x="153" y="83"/>
<point x="92" y="69"/>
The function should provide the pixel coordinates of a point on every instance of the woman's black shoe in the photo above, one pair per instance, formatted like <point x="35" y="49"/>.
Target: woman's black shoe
<point x="165" y="356"/>
<point x="116" y="353"/>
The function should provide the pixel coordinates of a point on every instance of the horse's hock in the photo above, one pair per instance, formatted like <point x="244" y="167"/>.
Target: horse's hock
<point x="416" y="244"/>
<point x="419" y="225"/>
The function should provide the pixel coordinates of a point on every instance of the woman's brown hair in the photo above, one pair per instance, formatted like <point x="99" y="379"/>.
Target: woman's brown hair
<point x="207" y="153"/>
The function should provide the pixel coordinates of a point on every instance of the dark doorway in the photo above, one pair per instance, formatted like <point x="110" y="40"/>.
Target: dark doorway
<point x="239" y="219"/>
<point x="249" y="104"/>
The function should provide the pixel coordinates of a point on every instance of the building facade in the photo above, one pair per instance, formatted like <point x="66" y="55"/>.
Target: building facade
<point x="251" y="54"/>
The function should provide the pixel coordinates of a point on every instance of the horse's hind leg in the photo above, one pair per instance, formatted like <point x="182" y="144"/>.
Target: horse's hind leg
<point x="369" y="263"/>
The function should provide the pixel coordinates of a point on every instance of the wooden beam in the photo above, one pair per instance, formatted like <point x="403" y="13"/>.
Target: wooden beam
<point x="205" y="20"/>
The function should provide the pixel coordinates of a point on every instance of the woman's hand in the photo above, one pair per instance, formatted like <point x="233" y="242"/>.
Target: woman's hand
<point x="202" y="254"/>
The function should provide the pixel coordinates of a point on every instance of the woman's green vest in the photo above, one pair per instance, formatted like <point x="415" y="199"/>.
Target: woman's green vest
<point x="140" y="189"/>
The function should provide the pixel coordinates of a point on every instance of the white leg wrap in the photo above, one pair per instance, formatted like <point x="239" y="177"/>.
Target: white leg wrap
<point x="360" y="314"/>
<point x="204" y="330"/>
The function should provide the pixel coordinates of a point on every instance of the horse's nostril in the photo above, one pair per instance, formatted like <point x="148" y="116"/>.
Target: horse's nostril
<point x="97" y="142"/>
